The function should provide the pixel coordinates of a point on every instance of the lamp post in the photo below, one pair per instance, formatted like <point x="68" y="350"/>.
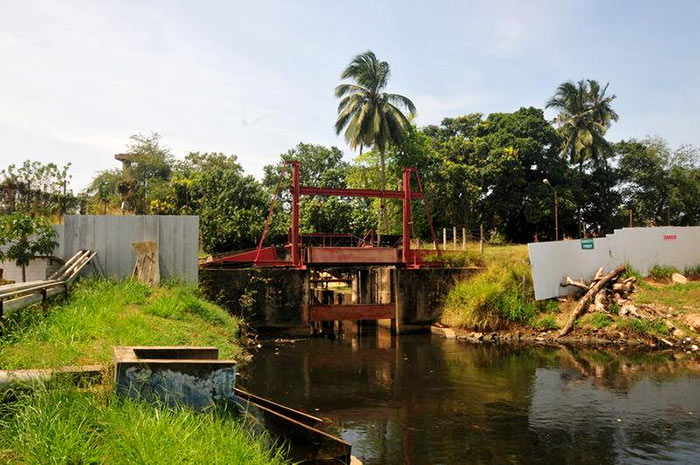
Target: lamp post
<point x="556" y="210"/>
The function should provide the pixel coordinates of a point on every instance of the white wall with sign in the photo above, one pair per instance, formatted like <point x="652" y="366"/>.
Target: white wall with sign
<point x="641" y="248"/>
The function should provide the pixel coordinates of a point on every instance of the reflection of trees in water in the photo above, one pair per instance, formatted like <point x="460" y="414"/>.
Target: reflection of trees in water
<point x="423" y="400"/>
<point x="615" y="369"/>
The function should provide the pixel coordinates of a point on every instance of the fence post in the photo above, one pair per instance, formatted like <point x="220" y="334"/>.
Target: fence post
<point x="481" y="238"/>
<point x="454" y="237"/>
<point x="464" y="238"/>
<point x="444" y="238"/>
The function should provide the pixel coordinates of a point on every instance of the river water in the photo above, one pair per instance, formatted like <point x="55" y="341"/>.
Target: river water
<point x="426" y="400"/>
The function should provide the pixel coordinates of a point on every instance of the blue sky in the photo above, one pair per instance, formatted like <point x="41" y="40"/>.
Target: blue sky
<point x="254" y="78"/>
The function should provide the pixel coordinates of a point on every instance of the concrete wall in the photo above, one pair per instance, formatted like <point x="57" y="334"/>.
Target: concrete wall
<point x="641" y="248"/>
<point x="420" y="293"/>
<point x="111" y="237"/>
<point x="37" y="270"/>
<point x="265" y="297"/>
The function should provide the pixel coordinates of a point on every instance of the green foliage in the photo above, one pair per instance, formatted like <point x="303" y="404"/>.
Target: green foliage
<point x="500" y="295"/>
<point x="662" y="273"/>
<point x="660" y="185"/>
<point x="36" y="189"/>
<point x="62" y="425"/>
<point x="103" y="313"/>
<point x="321" y="167"/>
<point x="22" y="238"/>
<point x="546" y="322"/>
<point x="598" y="320"/>
<point x="643" y="327"/>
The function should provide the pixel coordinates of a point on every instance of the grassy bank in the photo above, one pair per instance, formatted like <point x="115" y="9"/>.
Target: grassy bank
<point x="498" y="296"/>
<point x="62" y="425"/>
<point x="501" y="297"/>
<point x="102" y="313"/>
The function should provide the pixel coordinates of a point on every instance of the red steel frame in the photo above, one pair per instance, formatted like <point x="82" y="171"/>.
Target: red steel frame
<point x="268" y="256"/>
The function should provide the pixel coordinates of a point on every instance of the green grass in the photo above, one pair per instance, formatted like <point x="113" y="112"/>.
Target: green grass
<point x="492" y="299"/>
<point x="692" y="272"/>
<point x="598" y="320"/>
<point x="643" y="327"/>
<point x="103" y="313"/>
<point x="682" y="297"/>
<point x="546" y="322"/>
<point x="62" y="425"/>
<point x="662" y="273"/>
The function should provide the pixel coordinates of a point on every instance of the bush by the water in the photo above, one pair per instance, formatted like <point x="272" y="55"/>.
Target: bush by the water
<point x="62" y="425"/>
<point x="500" y="295"/>
<point x="103" y="313"/>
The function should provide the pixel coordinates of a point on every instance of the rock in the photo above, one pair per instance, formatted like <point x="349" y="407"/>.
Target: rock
<point x="679" y="278"/>
<point x="694" y="348"/>
<point x="693" y="320"/>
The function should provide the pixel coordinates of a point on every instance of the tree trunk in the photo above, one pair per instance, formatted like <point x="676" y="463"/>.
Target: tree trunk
<point x="583" y="303"/>
<point x="580" y="177"/>
<point x="24" y="274"/>
<point x="382" y="187"/>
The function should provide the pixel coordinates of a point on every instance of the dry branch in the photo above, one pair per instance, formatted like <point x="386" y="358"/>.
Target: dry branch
<point x="586" y="299"/>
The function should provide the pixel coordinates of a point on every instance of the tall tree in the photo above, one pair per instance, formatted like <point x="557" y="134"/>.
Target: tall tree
<point x="369" y="115"/>
<point x="585" y="114"/>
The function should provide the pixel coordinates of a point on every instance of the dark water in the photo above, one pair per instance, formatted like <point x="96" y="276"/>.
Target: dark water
<point x="427" y="400"/>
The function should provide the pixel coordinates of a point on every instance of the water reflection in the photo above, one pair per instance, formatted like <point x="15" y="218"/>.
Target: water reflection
<point x="426" y="400"/>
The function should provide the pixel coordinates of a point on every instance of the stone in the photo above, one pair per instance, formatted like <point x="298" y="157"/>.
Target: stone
<point x="693" y="320"/>
<point x="679" y="278"/>
<point x="694" y="348"/>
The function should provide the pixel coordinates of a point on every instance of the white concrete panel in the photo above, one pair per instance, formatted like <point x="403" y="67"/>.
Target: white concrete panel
<point x="640" y="248"/>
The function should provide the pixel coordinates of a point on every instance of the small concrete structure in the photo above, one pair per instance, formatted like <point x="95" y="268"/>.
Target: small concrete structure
<point x="175" y="375"/>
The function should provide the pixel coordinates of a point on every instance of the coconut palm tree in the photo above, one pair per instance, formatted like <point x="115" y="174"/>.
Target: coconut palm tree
<point x="370" y="116"/>
<point x="585" y="114"/>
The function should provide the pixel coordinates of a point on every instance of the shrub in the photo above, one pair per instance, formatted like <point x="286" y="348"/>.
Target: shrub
<point x="662" y="273"/>
<point x="500" y="295"/>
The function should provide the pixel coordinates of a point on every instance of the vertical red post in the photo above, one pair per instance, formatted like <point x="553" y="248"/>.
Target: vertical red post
<point x="296" y="173"/>
<point x="406" y="253"/>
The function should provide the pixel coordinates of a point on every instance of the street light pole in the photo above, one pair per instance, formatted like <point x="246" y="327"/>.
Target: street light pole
<point x="556" y="210"/>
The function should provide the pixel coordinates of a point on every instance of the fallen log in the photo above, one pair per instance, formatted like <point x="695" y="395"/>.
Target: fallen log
<point x="586" y="299"/>
<point x="579" y="284"/>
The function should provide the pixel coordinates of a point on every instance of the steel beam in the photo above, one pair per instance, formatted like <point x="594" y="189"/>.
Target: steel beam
<point x="352" y="312"/>
<point x="328" y="191"/>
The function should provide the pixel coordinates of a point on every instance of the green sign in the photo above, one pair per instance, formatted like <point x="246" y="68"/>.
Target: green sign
<point x="587" y="244"/>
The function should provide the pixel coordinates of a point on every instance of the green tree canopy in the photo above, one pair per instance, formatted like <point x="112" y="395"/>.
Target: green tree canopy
<point x="23" y="237"/>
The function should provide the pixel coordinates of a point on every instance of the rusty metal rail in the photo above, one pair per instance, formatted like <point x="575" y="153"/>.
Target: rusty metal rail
<point x="16" y="296"/>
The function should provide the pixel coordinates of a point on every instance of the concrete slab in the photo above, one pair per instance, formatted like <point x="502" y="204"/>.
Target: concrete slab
<point x="175" y="375"/>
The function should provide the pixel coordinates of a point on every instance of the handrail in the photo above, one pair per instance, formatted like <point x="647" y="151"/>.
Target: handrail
<point x="68" y="272"/>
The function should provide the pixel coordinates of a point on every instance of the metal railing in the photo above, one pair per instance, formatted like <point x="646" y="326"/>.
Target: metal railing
<point x="15" y="296"/>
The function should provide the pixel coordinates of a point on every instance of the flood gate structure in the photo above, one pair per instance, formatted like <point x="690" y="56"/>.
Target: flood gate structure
<point x="316" y="278"/>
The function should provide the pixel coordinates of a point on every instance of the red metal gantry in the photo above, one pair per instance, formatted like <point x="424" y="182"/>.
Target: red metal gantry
<point x="365" y="254"/>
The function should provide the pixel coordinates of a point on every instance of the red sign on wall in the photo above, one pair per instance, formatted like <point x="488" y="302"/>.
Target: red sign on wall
<point x="670" y="237"/>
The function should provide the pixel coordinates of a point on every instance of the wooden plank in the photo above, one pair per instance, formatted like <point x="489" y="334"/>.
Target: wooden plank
<point x="352" y="312"/>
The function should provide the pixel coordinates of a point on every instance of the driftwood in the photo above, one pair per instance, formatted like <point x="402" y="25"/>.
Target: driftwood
<point x="590" y="295"/>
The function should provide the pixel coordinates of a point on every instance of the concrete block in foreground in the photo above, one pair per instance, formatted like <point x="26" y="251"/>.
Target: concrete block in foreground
<point x="175" y="375"/>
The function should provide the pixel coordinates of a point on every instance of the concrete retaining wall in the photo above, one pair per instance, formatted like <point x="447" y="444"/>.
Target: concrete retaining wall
<point x="641" y="248"/>
<point x="265" y="297"/>
<point x="420" y="293"/>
